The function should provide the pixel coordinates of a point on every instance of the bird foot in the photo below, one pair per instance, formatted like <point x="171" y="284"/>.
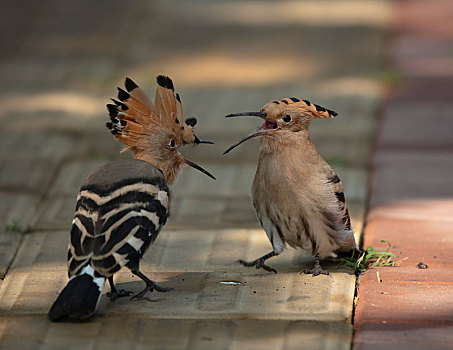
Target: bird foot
<point x="150" y="288"/>
<point x="119" y="293"/>
<point x="316" y="270"/>
<point x="258" y="263"/>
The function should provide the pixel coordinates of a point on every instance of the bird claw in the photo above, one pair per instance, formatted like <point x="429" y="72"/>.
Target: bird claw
<point x="316" y="271"/>
<point x="259" y="263"/>
<point x="119" y="293"/>
<point x="267" y="268"/>
<point x="151" y="288"/>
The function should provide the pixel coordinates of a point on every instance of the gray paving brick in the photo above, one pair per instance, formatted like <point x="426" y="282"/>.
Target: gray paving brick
<point x="26" y="175"/>
<point x="72" y="174"/>
<point x="34" y="146"/>
<point x="9" y="243"/>
<point x="138" y="332"/>
<point x="55" y="213"/>
<point x="195" y="268"/>
<point x="17" y="210"/>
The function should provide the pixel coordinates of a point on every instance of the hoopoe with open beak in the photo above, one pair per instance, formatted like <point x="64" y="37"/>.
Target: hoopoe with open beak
<point x="297" y="196"/>
<point x="122" y="205"/>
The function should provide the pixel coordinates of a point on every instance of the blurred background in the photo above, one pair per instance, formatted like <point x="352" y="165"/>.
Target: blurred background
<point x="62" y="60"/>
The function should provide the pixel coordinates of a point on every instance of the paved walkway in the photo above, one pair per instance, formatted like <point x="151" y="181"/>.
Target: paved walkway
<point x="412" y="191"/>
<point x="61" y="62"/>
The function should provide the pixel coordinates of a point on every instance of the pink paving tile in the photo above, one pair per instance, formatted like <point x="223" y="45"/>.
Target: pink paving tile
<point x="416" y="240"/>
<point x="435" y="210"/>
<point x="432" y="18"/>
<point x="424" y="88"/>
<point x="403" y="303"/>
<point x="422" y="125"/>
<point x="412" y="175"/>
<point x="408" y="273"/>
<point x="373" y="336"/>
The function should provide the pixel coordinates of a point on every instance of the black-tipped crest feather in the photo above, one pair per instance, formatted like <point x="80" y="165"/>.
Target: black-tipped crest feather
<point x="130" y="84"/>
<point x="123" y="95"/>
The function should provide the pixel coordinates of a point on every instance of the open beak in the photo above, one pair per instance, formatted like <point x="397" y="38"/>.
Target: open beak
<point x="196" y="166"/>
<point x="269" y="125"/>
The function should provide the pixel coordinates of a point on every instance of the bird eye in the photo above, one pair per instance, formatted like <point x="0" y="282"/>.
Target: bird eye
<point x="287" y="118"/>
<point x="172" y="143"/>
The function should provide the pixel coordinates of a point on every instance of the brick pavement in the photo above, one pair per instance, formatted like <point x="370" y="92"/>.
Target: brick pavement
<point x="61" y="62"/>
<point x="411" y="191"/>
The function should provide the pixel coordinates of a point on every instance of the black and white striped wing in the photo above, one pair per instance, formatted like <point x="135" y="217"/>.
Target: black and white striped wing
<point x="339" y="194"/>
<point x="127" y="220"/>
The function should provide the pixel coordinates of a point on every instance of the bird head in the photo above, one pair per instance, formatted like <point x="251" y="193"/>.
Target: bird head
<point x="154" y="132"/>
<point x="283" y="118"/>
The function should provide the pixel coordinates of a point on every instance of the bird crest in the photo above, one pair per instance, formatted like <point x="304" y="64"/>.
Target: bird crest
<point x="133" y="116"/>
<point x="281" y="107"/>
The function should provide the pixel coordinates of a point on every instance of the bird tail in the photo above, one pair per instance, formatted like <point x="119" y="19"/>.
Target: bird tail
<point x="79" y="298"/>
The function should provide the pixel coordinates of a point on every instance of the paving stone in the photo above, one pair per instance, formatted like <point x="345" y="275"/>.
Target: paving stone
<point x="195" y="272"/>
<point x="425" y="88"/>
<point x="423" y="56"/>
<point x="407" y="272"/>
<point x="27" y="145"/>
<point x="16" y="210"/>
<point x="435" y="22"/>
<point x="373" y="336"/>
<point x="416" y="240"/>
<point x="407" y="125"/>
<point x="232" y="180"/>
<point x="403" y="302"/>
<point x="26" y="175"/>
<point x="9" y="243"/>
<point x="71" y="176"/>
<point x="181" y="250"/>
<point x="287" y="296"/>
<point x="434" y="209"/>
<point x="55" y="213"/>
<point x="411" y="175"/>
<point x="138" y="332"/>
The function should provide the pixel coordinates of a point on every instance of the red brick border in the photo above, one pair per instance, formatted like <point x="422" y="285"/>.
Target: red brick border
<point x="412" y="191"/>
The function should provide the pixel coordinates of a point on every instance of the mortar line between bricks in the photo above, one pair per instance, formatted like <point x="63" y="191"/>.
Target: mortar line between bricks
<point x="367" y="204"/>
<point x="22" y="238"/>
<point x="53" y="177"/>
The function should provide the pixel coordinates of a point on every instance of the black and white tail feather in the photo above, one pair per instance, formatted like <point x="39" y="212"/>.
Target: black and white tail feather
<point x="80" y="297"/>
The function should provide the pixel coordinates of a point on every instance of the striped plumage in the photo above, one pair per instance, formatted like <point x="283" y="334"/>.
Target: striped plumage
<point x="297" y="196"/>
<point x="119" y="212"/>
<point x="122" y="205"/>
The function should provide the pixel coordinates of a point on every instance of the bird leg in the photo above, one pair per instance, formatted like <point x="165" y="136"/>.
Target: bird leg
<point x="317" y="269"/>
<point x="116" y="293"/>
<point x="150" y="286"/>
<point x="259" y="263"/>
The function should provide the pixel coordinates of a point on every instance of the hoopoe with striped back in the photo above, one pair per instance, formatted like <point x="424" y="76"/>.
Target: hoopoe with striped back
<point x="297" y="196"/>
<point x="122" y="205"/>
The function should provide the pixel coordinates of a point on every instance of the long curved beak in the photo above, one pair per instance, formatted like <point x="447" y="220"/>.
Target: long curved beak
<point x="248" y="137"/>
<point x="260" y="114"/>
<point x="196" y="166"/>
<point x="262" y="130"/>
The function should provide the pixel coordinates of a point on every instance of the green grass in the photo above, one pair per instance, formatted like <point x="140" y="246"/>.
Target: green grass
<point x="370" y="258"/>
<point x="15" y="226"/>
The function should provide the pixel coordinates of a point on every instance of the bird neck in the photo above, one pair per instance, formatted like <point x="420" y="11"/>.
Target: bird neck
<point x="287" y="142"/>
<point x="169" y="170"/>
